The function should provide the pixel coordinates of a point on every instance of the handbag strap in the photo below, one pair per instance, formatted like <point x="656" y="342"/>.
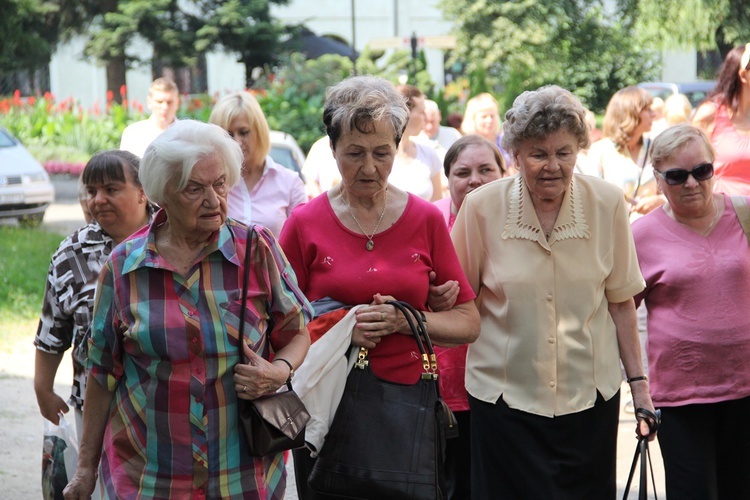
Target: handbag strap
<point x="642" y="451"/>
<point x="743" y="214"/>
<point x="415" y="331"/>
<point x="422" y="325"/>
<point x="246" y="279"/>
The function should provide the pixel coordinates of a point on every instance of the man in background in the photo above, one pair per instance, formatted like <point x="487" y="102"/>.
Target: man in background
<point x="162" y="101"/>
<point x="435" y="135"/>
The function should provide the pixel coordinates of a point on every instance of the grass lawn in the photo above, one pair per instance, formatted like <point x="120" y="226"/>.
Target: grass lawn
<point x="24" y="260"/>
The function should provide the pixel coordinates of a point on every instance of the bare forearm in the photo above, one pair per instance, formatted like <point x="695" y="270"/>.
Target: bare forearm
<point x="95" y="416"/>
<point x="296" y="350"/>
<point x="457" y="326"/>
<point x="45" y="369"/>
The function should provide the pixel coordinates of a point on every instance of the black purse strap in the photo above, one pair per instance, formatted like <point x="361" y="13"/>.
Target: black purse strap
<point x="246" y="279"/>
<point x="419" y="331"/>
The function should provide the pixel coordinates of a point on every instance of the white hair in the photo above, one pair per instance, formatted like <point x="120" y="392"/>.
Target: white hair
<point x="174" y="153"/>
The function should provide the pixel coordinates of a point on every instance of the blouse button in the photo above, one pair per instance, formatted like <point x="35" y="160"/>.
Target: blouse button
<point x="549" y="297"/>
<point x="552" y="383"/>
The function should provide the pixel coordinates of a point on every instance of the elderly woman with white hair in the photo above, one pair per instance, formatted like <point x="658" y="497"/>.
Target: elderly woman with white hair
<point x="164" y="351"/>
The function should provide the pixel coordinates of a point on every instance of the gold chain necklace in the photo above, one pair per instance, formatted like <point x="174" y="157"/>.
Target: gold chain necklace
<point x="370" y="244"/>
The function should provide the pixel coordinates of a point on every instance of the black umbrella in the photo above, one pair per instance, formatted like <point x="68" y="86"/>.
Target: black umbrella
<point x="314" y="46"/>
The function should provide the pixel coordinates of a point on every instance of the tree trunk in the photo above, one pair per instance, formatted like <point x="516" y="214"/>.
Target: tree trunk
<point x="116" y="76"/>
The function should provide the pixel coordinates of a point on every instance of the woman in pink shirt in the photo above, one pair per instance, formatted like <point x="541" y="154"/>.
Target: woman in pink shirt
<point x="725" y="117"/>
<point x="695" y="259"/>
<point x="267" y="192"/>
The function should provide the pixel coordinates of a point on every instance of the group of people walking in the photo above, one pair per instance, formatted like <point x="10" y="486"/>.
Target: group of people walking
<point x="528" y="284"/>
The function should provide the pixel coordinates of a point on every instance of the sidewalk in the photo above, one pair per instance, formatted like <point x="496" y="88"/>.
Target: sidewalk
<point x="21" y="428"/>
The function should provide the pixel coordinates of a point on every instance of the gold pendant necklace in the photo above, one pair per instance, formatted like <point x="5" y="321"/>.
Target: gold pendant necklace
<point x="370" y="244"/>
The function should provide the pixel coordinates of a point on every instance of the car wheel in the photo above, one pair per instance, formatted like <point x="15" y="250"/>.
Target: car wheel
<point x="31" y="221"/>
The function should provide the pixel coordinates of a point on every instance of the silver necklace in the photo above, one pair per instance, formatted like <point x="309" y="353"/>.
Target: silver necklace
<point x="370" y="244"/>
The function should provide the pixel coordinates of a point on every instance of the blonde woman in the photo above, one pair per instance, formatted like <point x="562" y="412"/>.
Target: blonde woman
<point x="267" y="192"/>
<point x="482" y="117"/>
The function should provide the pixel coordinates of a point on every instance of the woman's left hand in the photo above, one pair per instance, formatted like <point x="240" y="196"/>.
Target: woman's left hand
<point x="642" y="399"/>
<point x="380" y="319"/>
<point x="258" y="377"/>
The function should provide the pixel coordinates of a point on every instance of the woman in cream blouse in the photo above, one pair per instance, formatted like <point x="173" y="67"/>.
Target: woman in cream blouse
<point x="551" y="258"/>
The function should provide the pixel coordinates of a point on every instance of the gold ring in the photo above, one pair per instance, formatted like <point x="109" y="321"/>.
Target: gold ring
<point x="382" y="316"/>
<point x="244" y="388"/>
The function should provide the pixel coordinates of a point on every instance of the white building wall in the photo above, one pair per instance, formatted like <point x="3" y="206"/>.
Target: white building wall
<point x="72" y="76"/>
<point x="679" y="66"/>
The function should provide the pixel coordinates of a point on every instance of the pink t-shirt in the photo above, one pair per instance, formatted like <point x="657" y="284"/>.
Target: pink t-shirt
<point x="272" y="199"/>
<point x="732" y="163"/>
<point x="452" y="360"/>
<point x="697" y="295"/>
<point x="330" y="260"/>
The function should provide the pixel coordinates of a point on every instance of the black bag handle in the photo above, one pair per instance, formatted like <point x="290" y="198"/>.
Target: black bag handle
<point x="653" y="420"/>
<point x="246" y="278"/>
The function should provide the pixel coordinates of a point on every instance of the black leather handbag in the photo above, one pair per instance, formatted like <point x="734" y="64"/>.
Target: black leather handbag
<point x="275" y="422"/>
<point x="387" y="440"/>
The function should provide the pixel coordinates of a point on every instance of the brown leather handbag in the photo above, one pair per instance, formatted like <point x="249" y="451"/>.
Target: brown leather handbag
<point x="275" y="422"/>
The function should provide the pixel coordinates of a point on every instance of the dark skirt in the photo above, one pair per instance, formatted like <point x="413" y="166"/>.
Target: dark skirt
<point x="516" y="454"/>
<point x="706" y="450"/>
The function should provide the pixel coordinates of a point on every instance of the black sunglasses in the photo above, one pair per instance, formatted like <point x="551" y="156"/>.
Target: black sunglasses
<point x="677" y="176"/>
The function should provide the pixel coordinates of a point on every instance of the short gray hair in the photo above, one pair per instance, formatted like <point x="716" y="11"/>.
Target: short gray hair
<point x="538" y="113"/>
<point x="174" y="153"/>
<point x="668" y="143"/>
<point x="360" y="101"/>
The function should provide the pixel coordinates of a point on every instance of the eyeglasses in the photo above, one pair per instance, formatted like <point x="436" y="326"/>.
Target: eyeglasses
<point x="677" y="176"/>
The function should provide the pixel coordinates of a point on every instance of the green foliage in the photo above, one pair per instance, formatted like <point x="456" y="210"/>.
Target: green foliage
<point x="24" y="259"/>
<point x="242" y="26"/>
<point x="28" y="33"/>
<point x="50" y="129"/>
<point x="517" y="46"/>
<point x="292" y="99"/>
<point x="690" y="24"/>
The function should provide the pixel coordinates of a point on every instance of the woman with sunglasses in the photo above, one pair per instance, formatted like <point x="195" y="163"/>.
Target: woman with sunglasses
<point x="695" y="259"/>
<point x="725" y="117"/>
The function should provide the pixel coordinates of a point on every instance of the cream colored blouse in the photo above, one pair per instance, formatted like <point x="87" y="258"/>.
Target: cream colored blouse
<point x="548" y="342"/>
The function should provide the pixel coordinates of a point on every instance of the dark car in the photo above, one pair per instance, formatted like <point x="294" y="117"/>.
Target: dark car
<point x="25" y="187"/>
<point x="696" y="92"/>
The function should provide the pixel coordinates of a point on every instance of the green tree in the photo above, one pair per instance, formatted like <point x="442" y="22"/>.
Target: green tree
<point x="28" y="33"/>
<point x="245" y="27"/>
<point x="524" y="44"/>
<point x="688" y="24"/>
<point x="178" y="30"/>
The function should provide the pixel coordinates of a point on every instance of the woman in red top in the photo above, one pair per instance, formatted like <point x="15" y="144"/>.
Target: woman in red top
<point x="366" y="239"/>
<point x="725" y="118"/>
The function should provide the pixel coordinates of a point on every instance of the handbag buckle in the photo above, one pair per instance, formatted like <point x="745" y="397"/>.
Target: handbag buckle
<point x="362" y="360"/>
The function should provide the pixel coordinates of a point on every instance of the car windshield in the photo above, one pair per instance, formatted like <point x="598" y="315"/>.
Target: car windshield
<point x="6" y="141"/>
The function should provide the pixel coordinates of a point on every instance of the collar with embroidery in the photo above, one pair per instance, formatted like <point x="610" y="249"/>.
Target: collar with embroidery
<point x="522" y="222"/>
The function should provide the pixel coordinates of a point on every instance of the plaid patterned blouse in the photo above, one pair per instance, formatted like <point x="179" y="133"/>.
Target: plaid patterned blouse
<point x="69" y="298"/>
<point x="167" y="345"/>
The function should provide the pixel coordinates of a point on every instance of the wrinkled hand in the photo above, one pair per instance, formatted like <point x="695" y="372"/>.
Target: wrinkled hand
<point x="258" y="377"/>
<point x="648" y="203"/>
<point x="377" y="320"/>
<point x="442" y="297"/>
<point x="82" y="485"/>
<point x="51" y="405"/>
<point x="642" y="399"/>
